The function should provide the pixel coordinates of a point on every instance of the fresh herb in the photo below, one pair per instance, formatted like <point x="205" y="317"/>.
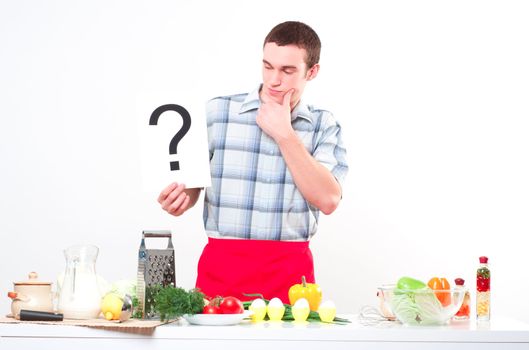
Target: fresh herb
<point x="484" y="272"/>
<point x="173" y="302"/>
<point x="149" y="306"/>
<point x="136" y="307"/>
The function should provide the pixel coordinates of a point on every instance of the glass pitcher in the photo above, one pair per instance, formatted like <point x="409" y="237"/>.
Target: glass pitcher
<point x="79" y="295"/>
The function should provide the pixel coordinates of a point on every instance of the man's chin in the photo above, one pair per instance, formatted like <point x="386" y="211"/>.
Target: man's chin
<point x="276" y="99"/>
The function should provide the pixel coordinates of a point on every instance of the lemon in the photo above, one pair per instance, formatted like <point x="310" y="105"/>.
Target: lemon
<point x="111" y="305"/>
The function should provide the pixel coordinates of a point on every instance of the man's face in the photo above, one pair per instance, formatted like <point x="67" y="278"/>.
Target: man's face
<point x="284" y="68"/>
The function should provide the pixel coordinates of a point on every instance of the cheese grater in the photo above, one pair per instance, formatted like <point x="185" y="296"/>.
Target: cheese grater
<point x="156" y="267"/>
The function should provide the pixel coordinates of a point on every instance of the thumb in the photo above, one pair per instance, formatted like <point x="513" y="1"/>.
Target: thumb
<point x="287" y="97"/>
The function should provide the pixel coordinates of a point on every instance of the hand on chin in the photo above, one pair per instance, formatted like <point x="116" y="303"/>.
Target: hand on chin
<point x="274" y="117"/>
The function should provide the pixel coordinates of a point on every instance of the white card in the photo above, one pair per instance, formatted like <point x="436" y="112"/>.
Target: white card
<point x="173" y="137"/>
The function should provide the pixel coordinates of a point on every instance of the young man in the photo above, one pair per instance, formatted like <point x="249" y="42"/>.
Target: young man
<point x="275" y="164"/>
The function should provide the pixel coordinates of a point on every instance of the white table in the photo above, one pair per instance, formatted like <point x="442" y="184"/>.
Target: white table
<point x="501" y="333"/>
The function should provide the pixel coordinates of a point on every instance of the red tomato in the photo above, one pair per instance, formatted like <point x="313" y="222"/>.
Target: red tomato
<point x="231" y="305"/>
<point x="211" y="309"/>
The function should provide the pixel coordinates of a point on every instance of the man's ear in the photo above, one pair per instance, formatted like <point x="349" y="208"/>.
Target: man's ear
<point x="313" y="72"/>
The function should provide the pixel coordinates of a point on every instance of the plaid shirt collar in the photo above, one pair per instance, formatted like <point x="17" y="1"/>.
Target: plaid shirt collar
<point x="252" y="102"/>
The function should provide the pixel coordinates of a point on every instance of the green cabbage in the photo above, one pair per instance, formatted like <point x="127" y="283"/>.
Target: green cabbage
<point x="417" y="308"/>
<point x="123" y="287"/>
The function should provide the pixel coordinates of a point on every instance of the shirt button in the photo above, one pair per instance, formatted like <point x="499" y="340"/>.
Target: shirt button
<point x="271" y="152"/>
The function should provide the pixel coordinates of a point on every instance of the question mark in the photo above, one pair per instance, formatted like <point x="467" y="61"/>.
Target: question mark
<point x="180" y="134"/>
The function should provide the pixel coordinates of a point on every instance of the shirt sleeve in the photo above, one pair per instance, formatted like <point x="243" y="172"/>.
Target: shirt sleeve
<point x="329" y="149"/>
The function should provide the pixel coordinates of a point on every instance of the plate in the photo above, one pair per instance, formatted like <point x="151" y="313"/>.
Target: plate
<point x="217" y="319"/>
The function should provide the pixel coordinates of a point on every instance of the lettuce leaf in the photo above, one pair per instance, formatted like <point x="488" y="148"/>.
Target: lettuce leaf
<point x="430" y="308"/>
<point x="417" y="308"/>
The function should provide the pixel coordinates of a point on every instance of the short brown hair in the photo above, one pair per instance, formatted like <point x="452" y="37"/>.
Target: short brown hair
<point x="299" y="34"/>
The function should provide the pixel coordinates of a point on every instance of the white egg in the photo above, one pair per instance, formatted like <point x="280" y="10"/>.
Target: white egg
<point x="258" y="303"/>
<point x="275" y="302"/>
<point x="301" y="303"/>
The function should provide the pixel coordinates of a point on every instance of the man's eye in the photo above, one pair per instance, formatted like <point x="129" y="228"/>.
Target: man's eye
<point x="288" y="72"/>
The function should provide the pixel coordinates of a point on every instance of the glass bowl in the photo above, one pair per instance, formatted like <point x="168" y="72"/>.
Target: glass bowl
<point x="423" y="307"/>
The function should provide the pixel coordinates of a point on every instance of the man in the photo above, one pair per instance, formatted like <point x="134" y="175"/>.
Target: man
<point x="275" y="164"/>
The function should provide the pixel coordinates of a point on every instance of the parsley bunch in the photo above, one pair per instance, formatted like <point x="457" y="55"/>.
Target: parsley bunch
<point x="173" y="302"/>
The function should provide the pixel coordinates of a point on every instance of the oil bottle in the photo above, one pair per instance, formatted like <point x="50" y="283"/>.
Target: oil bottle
<point x="483" y="290"/>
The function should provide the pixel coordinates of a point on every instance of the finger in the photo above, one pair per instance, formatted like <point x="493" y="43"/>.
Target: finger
<point x="166" y="191"/>
<point x="177" y="203"/>
<point x="172" y="196"/>
<point x="265" y="98"/>
<point x="183" y="207"/>
<point x="174" y="205"/>
<point x="287" y="97"/>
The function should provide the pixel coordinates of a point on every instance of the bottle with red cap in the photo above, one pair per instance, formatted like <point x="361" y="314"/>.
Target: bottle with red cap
<point x="464" y="310"/>
<point x="483" y="290"/>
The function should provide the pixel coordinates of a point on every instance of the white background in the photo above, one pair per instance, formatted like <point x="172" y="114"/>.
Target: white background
<point x="432" y="97"/>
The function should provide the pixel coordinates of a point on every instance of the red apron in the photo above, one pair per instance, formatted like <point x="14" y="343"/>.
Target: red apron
<point x="231" y="267"/>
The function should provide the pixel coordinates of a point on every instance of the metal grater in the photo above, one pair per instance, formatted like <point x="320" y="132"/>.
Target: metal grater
<point x="155" y="267"/>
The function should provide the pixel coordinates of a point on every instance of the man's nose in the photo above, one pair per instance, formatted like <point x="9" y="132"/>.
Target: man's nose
<point x="276" y="78"/>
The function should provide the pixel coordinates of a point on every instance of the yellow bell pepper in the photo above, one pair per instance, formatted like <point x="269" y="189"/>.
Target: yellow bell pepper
<point x="309" y="291"/>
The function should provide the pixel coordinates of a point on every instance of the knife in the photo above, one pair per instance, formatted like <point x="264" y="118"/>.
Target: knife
<point x="30" y="315"/>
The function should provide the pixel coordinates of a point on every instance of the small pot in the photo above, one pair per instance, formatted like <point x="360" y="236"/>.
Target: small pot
<point x="32" y="295"/>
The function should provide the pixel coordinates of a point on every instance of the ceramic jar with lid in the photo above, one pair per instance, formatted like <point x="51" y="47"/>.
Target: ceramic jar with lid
<point x="31" y="294"/>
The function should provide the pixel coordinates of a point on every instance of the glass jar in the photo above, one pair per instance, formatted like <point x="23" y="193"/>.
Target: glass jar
<point x="464" y="311"/>
<point x="79" y="295"/>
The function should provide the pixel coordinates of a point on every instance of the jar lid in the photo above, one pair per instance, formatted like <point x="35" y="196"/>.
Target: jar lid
<point x="483" y="259"/>
<point x="459" y="282"/>
<point x="32" y="280"/>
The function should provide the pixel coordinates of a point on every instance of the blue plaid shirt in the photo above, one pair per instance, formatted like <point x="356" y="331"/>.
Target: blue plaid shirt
<point x="252" y="193"/>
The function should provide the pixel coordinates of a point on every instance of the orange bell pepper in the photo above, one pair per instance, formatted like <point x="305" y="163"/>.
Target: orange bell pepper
<point x="440" y="284"/>
<point x="309" y="291"/>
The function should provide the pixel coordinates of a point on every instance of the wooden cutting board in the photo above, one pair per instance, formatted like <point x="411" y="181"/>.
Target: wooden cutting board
<point x="130" y="326"/>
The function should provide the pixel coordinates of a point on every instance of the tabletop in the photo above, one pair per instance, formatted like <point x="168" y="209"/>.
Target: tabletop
<point x="499" y="333"/>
